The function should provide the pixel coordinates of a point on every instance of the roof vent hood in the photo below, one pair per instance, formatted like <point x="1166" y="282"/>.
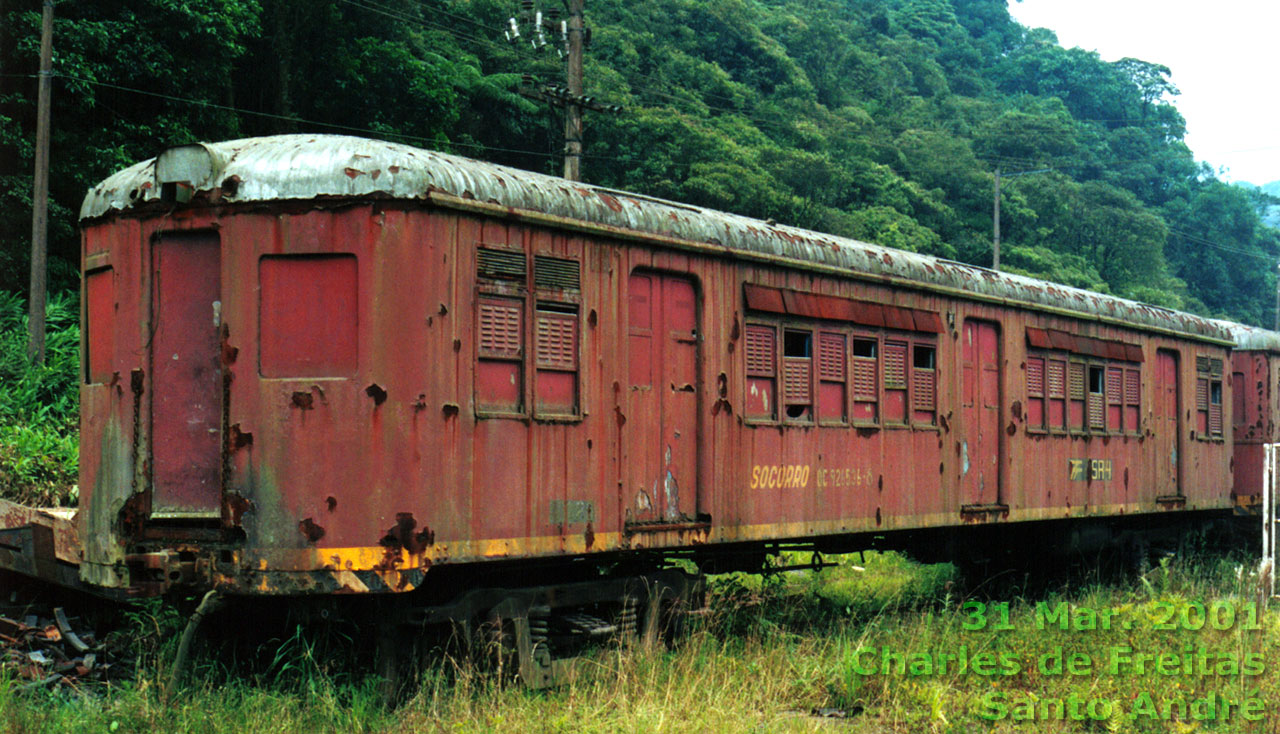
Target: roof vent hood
<point x="185" y="169"/>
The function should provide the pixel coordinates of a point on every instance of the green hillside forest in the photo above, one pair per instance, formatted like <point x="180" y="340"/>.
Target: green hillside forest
<point x="878" y="119"/>
<point x="884" y="120"/>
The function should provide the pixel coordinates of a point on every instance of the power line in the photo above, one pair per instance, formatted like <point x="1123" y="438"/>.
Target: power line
<point x="1226" y="248"/>
<point x="290" y="118"/>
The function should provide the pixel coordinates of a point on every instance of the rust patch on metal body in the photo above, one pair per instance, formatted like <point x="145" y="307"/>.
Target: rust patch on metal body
<point x="239" y="438"/>
<point x="234" y="506"/>
<point x="310" y="530"/>
<point x="402" y="535"/>
<point x="376" y="392"/>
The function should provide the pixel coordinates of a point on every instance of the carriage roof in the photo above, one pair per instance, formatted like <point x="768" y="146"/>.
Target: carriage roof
<point x="309" y="167"/>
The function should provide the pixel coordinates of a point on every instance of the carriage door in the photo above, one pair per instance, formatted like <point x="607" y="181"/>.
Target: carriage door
<point x="662" y="415"/>
<point x="980" y="446"/>
<point x="186" y="376"/>
<point x="1168" y="429"/>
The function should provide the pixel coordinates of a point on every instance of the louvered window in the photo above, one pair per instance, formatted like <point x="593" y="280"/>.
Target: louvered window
<point x="557" y="336"/>
<point x="554" y="272"/>
<point x="1202" y="406"/>
<point x="797" y="374"/>
<point x="796" y="378"/>
<point x="1208" y="397"/>
<point x="1215" y="406"/>
<point x="1132" y="400"/>
<point x="556" y="358"/>
<point x="924" y="380"/>
<point x="1035" y="392"/>
<point x="1057" y="389"/>
<point x="1115" y="399"/>
<point x="499" y="385"/>
<point x="895" y="382"/>
<point x="499" y="264"/>
<point x="500" y="328"/>
<point x="761" y="351"/>
<point x="865" y="387"/>
<point x="1075" y="394"/>
<point x="832" y="376"/>
<point x="1097" y="398"/>
<point x="761" y="346"/>
<point x="548" y="369"/>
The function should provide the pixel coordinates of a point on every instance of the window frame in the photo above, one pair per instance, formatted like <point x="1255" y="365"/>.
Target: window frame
<point x="533" y="298"/>
<point x="1211" y="371"/>
<point x="775" y="411"/>
<point x="852" y="336"/>
<point x="918" y="343"/>
<point x="809" y="417"/>
<point x="1120" y="400"/>
<point x="843" y="381"/>
<point x="877" y="377"/>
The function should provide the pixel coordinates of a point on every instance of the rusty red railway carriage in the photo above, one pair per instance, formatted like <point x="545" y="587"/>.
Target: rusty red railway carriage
<point x="323" y="364"/>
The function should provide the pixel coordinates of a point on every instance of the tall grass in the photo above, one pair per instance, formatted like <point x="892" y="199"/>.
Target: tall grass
<point x="772" y="655"/>
<point x="39" y="404"/>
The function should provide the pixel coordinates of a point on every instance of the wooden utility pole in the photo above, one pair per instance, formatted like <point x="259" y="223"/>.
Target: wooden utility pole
<point x="572" y="39"/>
<point x="995" y="239"/>
<point x="40" y="196"/>
<point x="573" y="111"/>
<point x="1277" y="326"/>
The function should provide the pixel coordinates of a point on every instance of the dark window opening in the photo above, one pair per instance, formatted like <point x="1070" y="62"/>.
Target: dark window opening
<point x="1215" y="393"/>
<point x="1096" y="382"/>
<point x="923" y="357"/>
<point x="1097" y="393"/>
<point x="797" y="374"/>
<point x="797" y="344"/>
<point x="865" y="348"/>
<point x="923" y="384"/>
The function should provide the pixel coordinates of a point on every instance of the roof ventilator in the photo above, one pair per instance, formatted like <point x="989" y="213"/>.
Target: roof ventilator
<point x="185" y="169"/>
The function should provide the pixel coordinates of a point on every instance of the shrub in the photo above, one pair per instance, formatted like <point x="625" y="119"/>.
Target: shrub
<point x="39" y="404"/>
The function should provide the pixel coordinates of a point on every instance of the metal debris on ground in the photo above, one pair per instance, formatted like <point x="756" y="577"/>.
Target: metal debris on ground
<point x="47" y="652"/>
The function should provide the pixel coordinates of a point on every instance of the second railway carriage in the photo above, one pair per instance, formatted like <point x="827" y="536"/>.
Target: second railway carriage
<point x="322" y="364"/>
<point x="1255" y="410"/>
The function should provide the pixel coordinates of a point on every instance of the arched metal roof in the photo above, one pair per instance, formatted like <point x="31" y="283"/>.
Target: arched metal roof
<point x="303" y="167"/>
<point x="1252" y="338"/>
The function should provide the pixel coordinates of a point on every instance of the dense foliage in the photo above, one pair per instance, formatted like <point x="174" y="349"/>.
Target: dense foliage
<point x="883" y="120"/>
<point x="39" y="405"/>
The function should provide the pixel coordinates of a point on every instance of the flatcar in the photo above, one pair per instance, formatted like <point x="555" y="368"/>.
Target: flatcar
<point x="321" y="365"/>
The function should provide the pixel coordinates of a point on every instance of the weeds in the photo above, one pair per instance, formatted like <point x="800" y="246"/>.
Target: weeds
<point x="39" y="404"/>
<point x="775" y="654"/>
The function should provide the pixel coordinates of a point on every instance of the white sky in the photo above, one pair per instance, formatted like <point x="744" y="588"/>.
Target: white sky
<point x="1224" y="55"/>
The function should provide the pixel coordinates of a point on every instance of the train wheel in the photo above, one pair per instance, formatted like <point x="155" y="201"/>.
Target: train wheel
<point x="668" y="608"/>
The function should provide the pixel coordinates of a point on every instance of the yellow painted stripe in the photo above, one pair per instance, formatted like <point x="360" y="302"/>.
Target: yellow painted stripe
<point x="375" y="558"/>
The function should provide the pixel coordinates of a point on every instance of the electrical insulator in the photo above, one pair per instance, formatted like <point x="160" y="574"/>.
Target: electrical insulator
<point x="513" y="31"/>
<point x="539" y="38"/>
